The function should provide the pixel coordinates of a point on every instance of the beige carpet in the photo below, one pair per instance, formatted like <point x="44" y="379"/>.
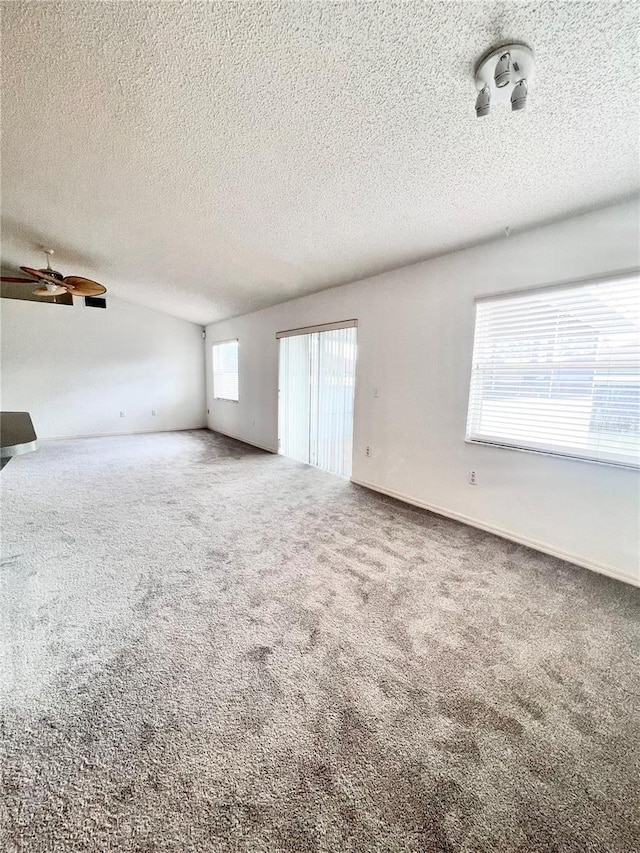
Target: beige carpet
<point x="208" y="648"/>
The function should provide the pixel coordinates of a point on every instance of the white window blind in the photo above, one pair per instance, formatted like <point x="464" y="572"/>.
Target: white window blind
<point x="225" y="370"/>
<point x="558" y="371"/>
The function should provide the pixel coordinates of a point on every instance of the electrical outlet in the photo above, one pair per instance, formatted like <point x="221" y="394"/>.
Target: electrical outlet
<point x="367" y="451"/>
<point x="121" y="414"/>
<point x="153" y="412"/>
<point x="472" y="478"/>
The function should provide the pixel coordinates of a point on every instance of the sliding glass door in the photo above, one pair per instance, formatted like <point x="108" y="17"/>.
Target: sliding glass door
<point x="294" y="406"/>
<point x="317" y="385"/>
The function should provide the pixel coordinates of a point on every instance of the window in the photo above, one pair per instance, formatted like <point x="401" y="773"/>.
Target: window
<point x="225" y="371"/>
<point x="558" y="371"/>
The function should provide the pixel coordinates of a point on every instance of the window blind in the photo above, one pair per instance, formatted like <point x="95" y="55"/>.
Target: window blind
<point x="322" y="327"/>
<point x="558" y="371"/>
<point x="225" y="370"/>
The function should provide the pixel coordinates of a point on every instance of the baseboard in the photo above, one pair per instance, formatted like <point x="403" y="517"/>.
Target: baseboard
<point x="504" y="534"/>
<point x="122" y="432"/>
<point x="243" y="440"/>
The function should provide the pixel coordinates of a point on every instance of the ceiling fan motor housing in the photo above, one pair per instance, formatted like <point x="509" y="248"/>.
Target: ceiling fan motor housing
<point x="53" y="273"/>
<point x="49" y="288"/>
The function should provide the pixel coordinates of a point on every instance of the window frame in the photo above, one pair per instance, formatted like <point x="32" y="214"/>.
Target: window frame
<point x="215" y="344"/>
<point x="496" y="441"/>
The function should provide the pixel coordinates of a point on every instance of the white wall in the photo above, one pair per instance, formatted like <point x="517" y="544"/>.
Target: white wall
<point x="415" y="342"/>
<point x="76" y="368"/>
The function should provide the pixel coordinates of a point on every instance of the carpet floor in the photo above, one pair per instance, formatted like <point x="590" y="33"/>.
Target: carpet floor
<point x="210" y="648"/>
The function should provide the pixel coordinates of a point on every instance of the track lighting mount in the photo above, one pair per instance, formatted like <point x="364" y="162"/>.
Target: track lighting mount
<point x="504" y="74"/>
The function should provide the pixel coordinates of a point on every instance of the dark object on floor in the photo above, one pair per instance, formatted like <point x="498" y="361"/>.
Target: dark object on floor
<point x="17" y="435"/>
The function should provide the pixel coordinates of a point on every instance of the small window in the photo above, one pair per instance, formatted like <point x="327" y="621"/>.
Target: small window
<point x="225" y="371"/>
<point x="558" y="371"/>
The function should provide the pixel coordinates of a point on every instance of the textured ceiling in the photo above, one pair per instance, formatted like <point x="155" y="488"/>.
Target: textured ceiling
<point x="210" y="159"/>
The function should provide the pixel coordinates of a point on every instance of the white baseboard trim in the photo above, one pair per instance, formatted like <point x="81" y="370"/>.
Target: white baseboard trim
<point x="243" y="440"/>
<point x="504" y="534"/>
<point x="122" y="432"/>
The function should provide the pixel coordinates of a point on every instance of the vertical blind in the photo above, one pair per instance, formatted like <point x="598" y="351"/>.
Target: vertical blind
<point x="225" y="370"/>
<point x="294" y="404"/>
<point x="317" y="383"/>
<point x="558" y="370"/>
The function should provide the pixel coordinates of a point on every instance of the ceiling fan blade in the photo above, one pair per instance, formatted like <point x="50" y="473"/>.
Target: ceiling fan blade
<point x="79" y="286"/>
<point x="41" y="276"/>
<point x="16" y="280"/>
<point x="58" y="290"/>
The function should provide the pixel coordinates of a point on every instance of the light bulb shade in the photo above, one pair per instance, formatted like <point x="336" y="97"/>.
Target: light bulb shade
<point x="483" y="102"/>
<point x="519" y="96"/>
<point x="49" y="290"/>
<point x="502" y="74"/>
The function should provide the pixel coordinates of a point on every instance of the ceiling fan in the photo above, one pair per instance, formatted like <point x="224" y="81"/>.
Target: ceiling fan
<point x="53" y="283"/>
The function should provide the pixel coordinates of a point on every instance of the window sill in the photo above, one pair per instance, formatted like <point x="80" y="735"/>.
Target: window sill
<point x="629" y="466"/>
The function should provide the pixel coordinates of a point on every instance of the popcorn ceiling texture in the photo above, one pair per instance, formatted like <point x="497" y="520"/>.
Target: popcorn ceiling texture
<point x="213" y="158"/>
<point x="210" y="649"/>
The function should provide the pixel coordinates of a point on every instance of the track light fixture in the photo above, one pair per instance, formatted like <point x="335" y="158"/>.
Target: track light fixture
<point x="504" y="74"/>
<point x="483" y="102"/>
<point x="519" y="96"/>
